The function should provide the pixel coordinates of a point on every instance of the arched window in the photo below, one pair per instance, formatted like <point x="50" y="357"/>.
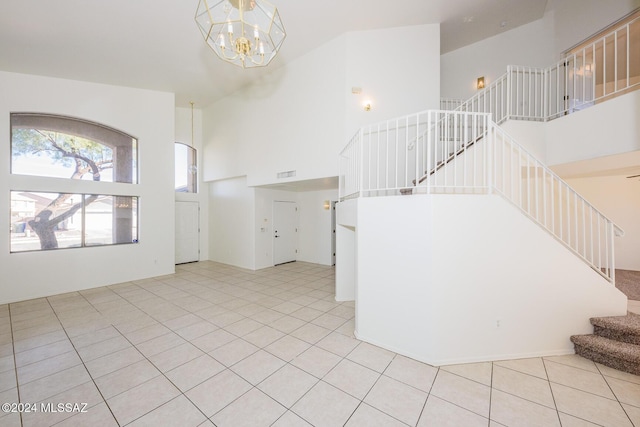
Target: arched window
<point x="186" y="169"/>
<point x="46" y="146"/>
<point x="66" y="147"/>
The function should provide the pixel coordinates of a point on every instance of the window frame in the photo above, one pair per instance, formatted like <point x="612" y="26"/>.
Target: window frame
<point x="192" y="178"/>
<point x="86" y="129"/>
<point x="29" y="183"/>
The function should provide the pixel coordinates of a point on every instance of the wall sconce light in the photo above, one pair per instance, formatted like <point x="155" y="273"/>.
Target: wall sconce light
<point x="326" y="205"/>
<point x="480" y="83"/>
<point x="367" y="105"/>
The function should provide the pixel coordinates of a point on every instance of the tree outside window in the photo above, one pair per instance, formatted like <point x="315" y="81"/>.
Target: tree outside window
<point x="63" y="147"/>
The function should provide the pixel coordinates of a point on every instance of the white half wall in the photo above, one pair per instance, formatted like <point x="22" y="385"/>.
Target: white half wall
<point x="346" y="250"/>
<point x="146" y="115"/>
<point x="611" y="127"/>
<point x="461" y="279"/>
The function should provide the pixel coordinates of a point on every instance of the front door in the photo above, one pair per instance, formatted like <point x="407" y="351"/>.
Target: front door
<point x="285" y="232"/>
<point x="187" y="232"/>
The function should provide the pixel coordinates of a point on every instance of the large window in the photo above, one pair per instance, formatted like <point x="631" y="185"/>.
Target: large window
<point x="45" y="146"/>
<point x="186" y="168"/>
<point x="64" y="147"/>
<point x="41" y="221"/>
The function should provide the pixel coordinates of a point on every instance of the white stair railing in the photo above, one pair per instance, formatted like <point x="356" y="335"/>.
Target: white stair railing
<point x="552" y="203"/>
<point x="450" y="103"/>
<point x="457" y="152"/>
<point x="607" y="67"/>
<point x="492" y="99"/>
<point x="393" y="156"/>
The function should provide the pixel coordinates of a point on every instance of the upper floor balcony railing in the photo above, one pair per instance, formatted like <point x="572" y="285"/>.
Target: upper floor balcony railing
<point x="605" y="68"/>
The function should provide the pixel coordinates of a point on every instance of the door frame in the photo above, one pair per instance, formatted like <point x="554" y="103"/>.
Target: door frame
<point x="295" y="230"/>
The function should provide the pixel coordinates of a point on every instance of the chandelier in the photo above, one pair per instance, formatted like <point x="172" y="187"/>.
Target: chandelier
<point x="246" y="33"/>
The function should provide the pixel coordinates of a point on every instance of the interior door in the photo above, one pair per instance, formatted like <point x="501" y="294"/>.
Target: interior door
<point x="285" y="232"/>
<point x="187" y="232"/>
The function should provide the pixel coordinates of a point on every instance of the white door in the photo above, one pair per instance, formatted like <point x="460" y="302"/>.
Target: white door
<point x="187" y="232"/>
<point x="285" y="232"/>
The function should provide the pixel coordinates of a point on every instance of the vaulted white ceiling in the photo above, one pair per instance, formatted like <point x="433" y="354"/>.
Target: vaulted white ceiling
<point x="155" y="44"/>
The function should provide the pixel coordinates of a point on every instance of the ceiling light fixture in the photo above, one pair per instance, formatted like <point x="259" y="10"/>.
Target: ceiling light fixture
<point x="246" y="33"/>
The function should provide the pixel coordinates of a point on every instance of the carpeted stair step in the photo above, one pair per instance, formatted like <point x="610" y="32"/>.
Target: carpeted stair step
<point x="618" y="355"/>
<point x="619" y="328"/>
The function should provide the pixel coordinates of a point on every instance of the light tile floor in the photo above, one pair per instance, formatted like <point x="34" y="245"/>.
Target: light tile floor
<point x="218" y="345"/>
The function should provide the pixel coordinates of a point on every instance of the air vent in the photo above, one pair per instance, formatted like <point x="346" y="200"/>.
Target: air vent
<point x="286" y="174"/>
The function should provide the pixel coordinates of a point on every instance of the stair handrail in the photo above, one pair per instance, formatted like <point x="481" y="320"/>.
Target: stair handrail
<point x="601" y="259"/>
<point x="488" y="161"/>
<point x="483" y="101"/>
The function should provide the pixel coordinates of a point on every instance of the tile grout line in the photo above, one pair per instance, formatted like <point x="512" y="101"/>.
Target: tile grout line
<point x="614" y="394"/>
<point x="553" y="396"/>
<point x="245" y="283"/>
<point x="82" y="360"/>
<point x="490" y="395"/>
<point x="181" y="393"/>
<point x="226" y="367"/>
<point x="15" y="365"/>
<point x="286" y="363"/>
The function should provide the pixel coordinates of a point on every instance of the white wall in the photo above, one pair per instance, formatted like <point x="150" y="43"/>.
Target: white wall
<point x="292" y="119"/>
<point x="398" y="71"/>
<point x="611" y="127"/>
<point x="530" y="135"/>
<point x="299" y="117"/>
<point x="576" y="20"/>
<point x="241" y="224"/>
<point x="264" y="200"/>
<point x="314" y="232"/>
<point x="530" y="44"/>
<point x="487" y="286"/>
<point x="146" y="115"/>
<point x="619" y="199"/>
<point x="184" y="135"/>
<point x="346" y="250"/>
<point x="232" y="222"/>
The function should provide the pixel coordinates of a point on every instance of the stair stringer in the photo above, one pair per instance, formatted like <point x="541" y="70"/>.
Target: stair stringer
<point x="449" y="279"/>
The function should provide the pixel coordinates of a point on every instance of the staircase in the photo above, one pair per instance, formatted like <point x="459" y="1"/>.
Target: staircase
<point x="464" y="152"/>
<point x="615" y="342"/>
